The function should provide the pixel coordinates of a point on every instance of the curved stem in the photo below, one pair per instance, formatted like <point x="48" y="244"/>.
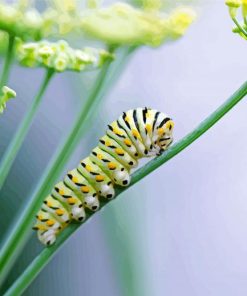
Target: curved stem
<point x="19" y="137"/>
<point x="21" y="231"/>
<point x="45" y="256"/>
<point x="8" y="60"/>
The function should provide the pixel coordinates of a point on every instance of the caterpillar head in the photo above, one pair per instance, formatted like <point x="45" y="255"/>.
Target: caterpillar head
<point x="121" y="177"/>
<point x="164" y="136"/>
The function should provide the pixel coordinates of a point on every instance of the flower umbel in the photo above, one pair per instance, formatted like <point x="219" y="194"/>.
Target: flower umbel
<point x="7" y="94"/>
<point x="24" y="24"/>
<point x="234" y="5"/>
<point x="59" y="56"/>
<point x="122" y="24"/>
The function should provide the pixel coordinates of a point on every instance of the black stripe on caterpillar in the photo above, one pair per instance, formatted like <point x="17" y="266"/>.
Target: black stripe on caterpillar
<point x="138" y="133"/>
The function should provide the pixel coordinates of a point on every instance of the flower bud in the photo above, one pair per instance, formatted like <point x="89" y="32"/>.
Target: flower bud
<point x="179" y="21"/>
<point x="45" y="51"/>
<point x="233" y="7"/>
<point x="233" y="3"/>
<point x="244" y="8"/>
<point x="7" y="94"/>
<point x="61" y="62"/>
<point x="8" y="15"/>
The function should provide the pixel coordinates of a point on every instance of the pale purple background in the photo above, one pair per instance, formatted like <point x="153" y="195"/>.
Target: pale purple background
<point x="186" y="224"/>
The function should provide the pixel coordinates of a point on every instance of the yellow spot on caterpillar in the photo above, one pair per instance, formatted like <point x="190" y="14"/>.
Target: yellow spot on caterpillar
<point x="160" y="131"/>
<point x="50" y="223"/>
<point x="127" y="118"/>
<point x="99" y="178"/>
<point x="75" y="179"/>
<point x="135" y="133"/>
<point x="107" y="143"/>
<point x="49" y="204"/>
<point x="111" y="166"/>
<point x="40" y="217"/>
<point x="88" y="168"/>
<point x="169" y="124"/>
<point x="100" y="156"/>
<point x="119" y="151"/>
<point x="41" y="227"/>
<point x="117" y="131"/>
<point x="127" y="142"/>
<point x="59" y="212"/>
<point x="85" y="189"/>
<point x="61" y="192"/>
<point x="149" y="127"/>
<point x="149" y="113"/>
<point x="71" y="200"/>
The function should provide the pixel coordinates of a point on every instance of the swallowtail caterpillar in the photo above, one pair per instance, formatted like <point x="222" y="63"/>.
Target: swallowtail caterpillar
<point x="138" y="133"/>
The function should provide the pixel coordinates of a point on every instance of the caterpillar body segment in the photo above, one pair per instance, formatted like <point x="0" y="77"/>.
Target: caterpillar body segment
<point x="83" y="189"/>
<point x="56" y="209"/>
<point x="69" y="200"/>
<point x="47" y="226"/>
<point x="133" y="134"/>
<point x="114" y="169"/>
<point x="117" y="133"/>
<point x="142" y="132"/>
<point x="113" y="148"/>
<point x="97" y="178"/>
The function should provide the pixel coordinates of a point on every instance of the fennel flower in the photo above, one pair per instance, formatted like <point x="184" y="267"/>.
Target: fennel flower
<point x="7" y="94"/>
<point x="122" y="24"/>
<point x="59" y="56"/>
<point x="233" y="6"/>
<point x="24" y="24"/>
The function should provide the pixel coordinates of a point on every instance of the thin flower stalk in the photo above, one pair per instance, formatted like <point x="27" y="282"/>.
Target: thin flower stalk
<point x="8" y="61"/>
<point x="56" y="57"/>
<point x="46" y="255"/>
<point x="21" y="230"/>
<point x="21" y="133"/>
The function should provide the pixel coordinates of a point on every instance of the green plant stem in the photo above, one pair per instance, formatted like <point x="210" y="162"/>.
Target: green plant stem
<point x="45" y="256"/>
<point x="20" y="232"/>
<point x="239" y="27"/>
<point x="8" y="60"/>
<point x="244" y="17"/>
<point x="22" y="131"/>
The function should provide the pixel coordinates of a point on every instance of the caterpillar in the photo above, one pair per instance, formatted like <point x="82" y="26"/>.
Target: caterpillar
<point x="138" y="133"/>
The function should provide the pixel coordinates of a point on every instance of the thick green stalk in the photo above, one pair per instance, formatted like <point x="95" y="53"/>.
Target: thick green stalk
<point x="45" y="256"/>
<point x="7" y="62"/>
<point x="21" y="231"/>
<point x="22" y="131"/>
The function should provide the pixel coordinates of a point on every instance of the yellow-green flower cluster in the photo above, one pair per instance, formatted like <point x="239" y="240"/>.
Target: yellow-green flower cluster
<point x="5" y="96"/>
<point x="123" y="24"/>
<point x="234" y="6"/>
<point x="59" y="56"/>
<point x="27" y="24"/>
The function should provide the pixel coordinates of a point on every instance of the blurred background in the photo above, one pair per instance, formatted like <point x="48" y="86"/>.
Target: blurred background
<point x="183" y="229"/>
